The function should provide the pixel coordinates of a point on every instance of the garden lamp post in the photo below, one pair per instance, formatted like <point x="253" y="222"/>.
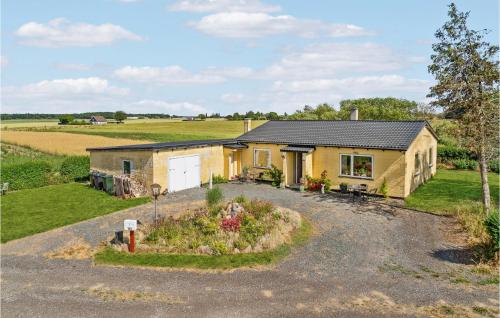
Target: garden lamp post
<point x="155" y="190"/>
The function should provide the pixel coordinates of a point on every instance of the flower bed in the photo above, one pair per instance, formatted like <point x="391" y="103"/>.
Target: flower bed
<point x="238" y="226"/>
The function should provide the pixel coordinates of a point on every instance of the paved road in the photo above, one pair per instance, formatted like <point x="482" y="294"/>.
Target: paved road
<point x="365" y="260"/>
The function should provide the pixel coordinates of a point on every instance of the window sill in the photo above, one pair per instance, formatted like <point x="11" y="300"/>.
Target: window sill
<point x="264" y="168"/>
<point x="354" y="177"/>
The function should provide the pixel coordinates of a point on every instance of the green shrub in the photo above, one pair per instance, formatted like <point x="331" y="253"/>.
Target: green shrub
<point x="219" y="179"/>
<point x="214" y="196"/>
<point x="465" y="164"/>
<point x="251" y="230"/>
<point x="206" y="225"/>
<point x="275" y="174"/>
<point x="76" y="168"/>
<point x="384" y="189"/>
<point x="492" y="224"/>
<point x="26" y="175"/>
<point x="240" y="244"/>
<point x="241" y="199"/>
<point x="494" y="166"/>
<point x="450" y="153"/>
<point x="259" y="208"/>
<point x="219" y="247"/>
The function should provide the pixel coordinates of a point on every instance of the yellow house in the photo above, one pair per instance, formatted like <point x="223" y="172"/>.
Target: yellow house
<point x="403" y="153"/>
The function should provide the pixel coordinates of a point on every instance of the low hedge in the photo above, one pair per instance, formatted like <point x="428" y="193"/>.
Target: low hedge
<point x="75" y="168"/>
<point x="465" y="164"/>
<point x="494" y="166"/>
<point x="450" y="153"/>
<point x="26" y="175"/>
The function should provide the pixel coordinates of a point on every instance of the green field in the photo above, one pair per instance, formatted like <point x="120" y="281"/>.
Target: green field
<point x="13" y="154"/>
<point x="31" y="211"/>
<point x="452" y="189"/>
<point x="20" y="123"/>
<point x="160" y="130"/>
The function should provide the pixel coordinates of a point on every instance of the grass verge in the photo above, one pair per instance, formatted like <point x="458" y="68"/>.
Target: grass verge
<point x="32" y="211"/>
<point x="450" y="190"/>
<point x="300" y="236"/>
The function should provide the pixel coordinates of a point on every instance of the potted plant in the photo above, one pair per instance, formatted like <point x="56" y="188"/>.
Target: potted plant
<point x="244" y="173"/>
<point x="343" y="187"/>
<point x="282" y="183"/>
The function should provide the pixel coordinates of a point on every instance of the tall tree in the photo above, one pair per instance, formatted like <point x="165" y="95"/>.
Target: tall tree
<point x="120" y="116"/>
<point x="466" y="69"/>
<point x="388" y="108"/>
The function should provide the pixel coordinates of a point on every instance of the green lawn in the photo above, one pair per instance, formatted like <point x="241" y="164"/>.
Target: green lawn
<point x="449" y="189"/>
<point x="31" y="211"/>
<point x="109" y="256"/>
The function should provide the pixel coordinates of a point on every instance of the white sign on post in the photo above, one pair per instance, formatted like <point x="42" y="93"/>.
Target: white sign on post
<point x="130" y="225"/>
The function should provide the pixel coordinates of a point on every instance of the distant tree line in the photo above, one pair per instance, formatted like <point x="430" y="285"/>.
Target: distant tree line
<point x="369" y="109"/>
<point x="87" y="115"/>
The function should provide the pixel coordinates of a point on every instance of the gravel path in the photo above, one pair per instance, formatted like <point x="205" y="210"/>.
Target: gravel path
<point x="365" y="260"/>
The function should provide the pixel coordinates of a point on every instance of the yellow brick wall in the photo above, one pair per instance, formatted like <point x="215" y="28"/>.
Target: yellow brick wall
<point x="211" y="158"/>
<point x="110" y="162"/>
<point x="388" y="164"/>
<point x="424" y="141"/>
<point x="247" y="155"/>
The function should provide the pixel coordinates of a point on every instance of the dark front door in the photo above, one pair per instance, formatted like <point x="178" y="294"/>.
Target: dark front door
<point x="298" y="166"/>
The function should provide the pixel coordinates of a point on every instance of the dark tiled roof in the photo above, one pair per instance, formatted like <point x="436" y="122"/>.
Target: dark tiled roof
<point x="297" y="149"/>
<point x="169" y="145"/>
<point x="235" y="146"/>
<point x="396" y="135"/>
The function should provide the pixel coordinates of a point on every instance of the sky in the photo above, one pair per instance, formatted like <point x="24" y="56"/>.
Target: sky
<point x="188" y="57"/>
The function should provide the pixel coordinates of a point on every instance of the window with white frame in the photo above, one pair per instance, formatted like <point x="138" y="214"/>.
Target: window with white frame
<point x="431" y="157"/>
<point x="356" y="166"/>
<point x="127" y="167"/>
<point x="262" y="158"/>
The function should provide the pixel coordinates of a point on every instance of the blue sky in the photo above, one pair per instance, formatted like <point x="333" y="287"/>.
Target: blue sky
<point x="197" y="56"/>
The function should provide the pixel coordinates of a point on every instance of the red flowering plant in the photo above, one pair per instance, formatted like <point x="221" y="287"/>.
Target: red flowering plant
<point x="314" y="184"/>
<point x="232" y="224"/>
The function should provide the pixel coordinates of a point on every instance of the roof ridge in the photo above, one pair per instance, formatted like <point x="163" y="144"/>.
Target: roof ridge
<point x="348" y="120"/>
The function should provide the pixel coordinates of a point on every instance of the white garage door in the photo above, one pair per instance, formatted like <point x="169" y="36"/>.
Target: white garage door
<point x="183" y="173"/>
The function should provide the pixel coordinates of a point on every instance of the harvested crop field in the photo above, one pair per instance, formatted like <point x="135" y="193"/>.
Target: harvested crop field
<point x="63" y="143"/>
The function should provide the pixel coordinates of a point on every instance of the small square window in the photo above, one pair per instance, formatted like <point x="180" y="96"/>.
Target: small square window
<point x="127" y="167"/>
<point x="262" y="158"/>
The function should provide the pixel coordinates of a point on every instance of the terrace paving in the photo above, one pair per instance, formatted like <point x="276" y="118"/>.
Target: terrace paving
<point x="365" y="260"/>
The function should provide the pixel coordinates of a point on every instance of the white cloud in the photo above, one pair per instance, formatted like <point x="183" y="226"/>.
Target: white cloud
<point x="355" y="85"/>
<point x="201" y="6"/>
<point x="3" y="61"/>
<point x="61" y="95"/>
<point x="61" y="32"/>
<point x="174" y="74"/>
<point x="257" y="25"/>
<point x="66" y="87"/>
<point x="334" y="59"/>
<point x="159" y="106"/>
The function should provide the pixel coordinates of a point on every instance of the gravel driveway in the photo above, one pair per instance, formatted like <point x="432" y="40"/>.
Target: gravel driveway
<point x="365" y="260"/>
